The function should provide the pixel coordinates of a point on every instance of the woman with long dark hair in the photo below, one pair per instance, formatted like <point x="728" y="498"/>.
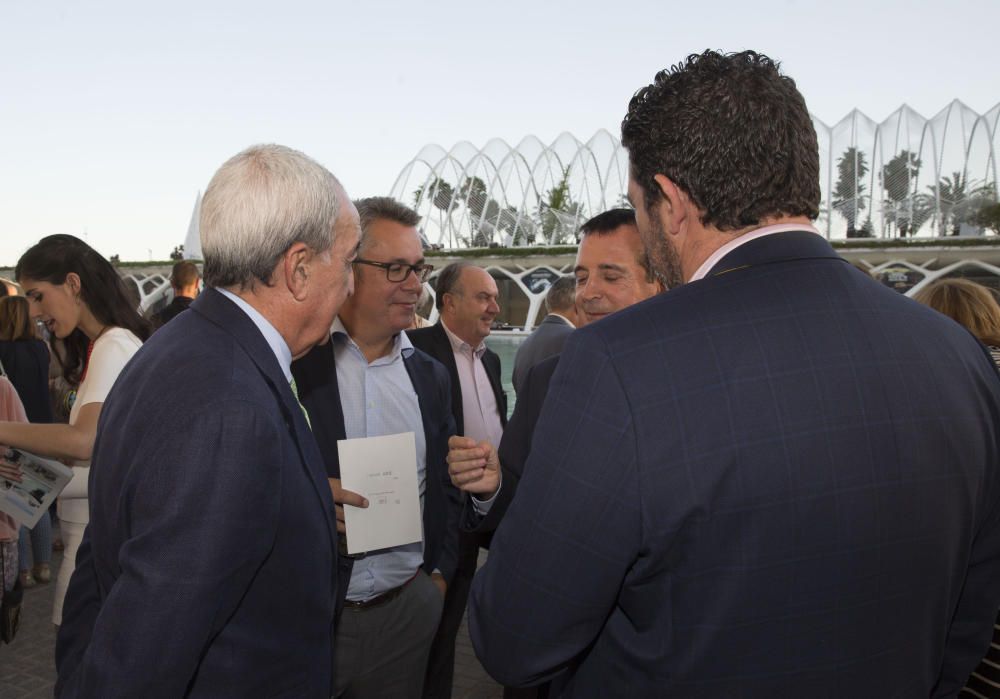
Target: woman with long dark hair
<point x="24" y="358"/>
<point x="81" y="299"/>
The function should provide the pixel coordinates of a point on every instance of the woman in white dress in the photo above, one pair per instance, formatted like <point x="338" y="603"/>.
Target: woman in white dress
<point x="82" y="300"/>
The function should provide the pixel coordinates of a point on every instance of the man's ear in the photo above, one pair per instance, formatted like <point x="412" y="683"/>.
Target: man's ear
<point x="675" y="200"/>
<point x="295" y="266"/>
<point x="447" y="302"/>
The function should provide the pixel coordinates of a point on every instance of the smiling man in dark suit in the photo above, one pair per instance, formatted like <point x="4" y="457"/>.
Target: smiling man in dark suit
<point x="209" y="565"/>
<point x="768" y="481"/>
<point x="612" y="272"/>
<point x="467" y="303"/>
<point x="370" y="381"/>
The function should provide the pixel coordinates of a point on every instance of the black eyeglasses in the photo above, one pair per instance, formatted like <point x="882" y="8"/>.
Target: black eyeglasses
<point x="398" y="271"/>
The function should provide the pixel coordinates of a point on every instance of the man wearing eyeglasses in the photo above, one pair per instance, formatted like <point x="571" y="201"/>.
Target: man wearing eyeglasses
<point x="467" y="303"/>
<point x="370" y="381"/>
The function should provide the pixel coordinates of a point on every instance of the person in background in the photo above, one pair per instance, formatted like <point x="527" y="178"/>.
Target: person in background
<point x="185" y="281"/>
<point x="974" y="307"/>
<point x="25" y="360"/>
<point x="418" y="320"/>
<point x="467" y="304"/>
<point x="550" y="335"/>
<point x="81" y="299"/>
<point x="10" y="409"/>
<point x="612" y="272"/>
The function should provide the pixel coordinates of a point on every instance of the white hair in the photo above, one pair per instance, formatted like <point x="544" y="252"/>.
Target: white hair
<point x="257" y="205"/>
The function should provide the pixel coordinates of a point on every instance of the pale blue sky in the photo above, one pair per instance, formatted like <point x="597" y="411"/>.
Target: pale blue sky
<point x="114" y="114"/>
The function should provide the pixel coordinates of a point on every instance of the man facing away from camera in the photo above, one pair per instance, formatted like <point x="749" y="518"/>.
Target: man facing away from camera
<point x="549" y="337"/>
<point x="778" y="479"/>
<point x="185" y="282"/>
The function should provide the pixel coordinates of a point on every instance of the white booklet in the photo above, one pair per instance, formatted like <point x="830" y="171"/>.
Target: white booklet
<point x="41" y="481"/>
<point x="383" y="470"/>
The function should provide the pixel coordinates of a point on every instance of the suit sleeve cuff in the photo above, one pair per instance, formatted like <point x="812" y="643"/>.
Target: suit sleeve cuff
<point x="482" y="507"/>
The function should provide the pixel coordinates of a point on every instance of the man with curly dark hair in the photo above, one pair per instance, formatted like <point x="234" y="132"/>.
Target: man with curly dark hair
<point x="767" y="482"/>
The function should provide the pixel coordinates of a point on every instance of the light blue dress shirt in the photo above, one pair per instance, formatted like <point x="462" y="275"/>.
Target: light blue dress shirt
<point x="378" y="399"/>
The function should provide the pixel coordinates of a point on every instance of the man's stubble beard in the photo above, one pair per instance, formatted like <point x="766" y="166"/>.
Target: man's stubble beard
<point x="663" y="255"/>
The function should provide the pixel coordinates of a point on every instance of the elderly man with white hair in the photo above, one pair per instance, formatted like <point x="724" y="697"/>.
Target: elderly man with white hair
<point x="208" y="568"/>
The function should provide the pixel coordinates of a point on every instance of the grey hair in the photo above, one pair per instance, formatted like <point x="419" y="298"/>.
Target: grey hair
<point x="371" y="209"/>
<point x="258" y="204"/>
<point x="561" y="295"/>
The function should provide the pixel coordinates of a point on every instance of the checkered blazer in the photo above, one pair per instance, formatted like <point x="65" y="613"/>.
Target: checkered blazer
<point x="781" y="480"/>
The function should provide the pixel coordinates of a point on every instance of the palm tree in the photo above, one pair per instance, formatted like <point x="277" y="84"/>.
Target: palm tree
<point x="897" y="177"/>
<point x="958" y="201"/>
<point x="849" y="194"/>
<point x="558" y="213"/>
<point x="442" y="196"/>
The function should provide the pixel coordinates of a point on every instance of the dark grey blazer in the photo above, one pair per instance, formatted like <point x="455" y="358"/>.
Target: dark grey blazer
<point x="544" y="341"/>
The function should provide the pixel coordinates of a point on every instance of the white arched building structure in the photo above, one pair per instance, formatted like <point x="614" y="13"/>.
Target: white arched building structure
<point x="905" y="176"/>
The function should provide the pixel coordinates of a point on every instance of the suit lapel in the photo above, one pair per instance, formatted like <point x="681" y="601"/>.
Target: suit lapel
<point x="444" y="353"/>
<point x="230" y="318"/>
<point x="491" y="362"/>
<point x="316" y="377"/>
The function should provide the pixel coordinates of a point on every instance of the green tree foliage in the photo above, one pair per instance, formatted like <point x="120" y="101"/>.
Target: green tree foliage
<point x="903" y="208"/>
<point x="988" y="216"/>
<point x="849" y="193"/>
<point x="899" y="174"/>
<point x="559" y="215"/>
<point x="959" y="200"/>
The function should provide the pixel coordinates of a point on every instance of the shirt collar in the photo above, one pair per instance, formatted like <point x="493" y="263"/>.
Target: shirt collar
<point x="401" y="345"/>
<point x="460" y="345"/>
<point x="274" y="339"/>
<point x="714" y="258"/>
<point x="564" y="318"/>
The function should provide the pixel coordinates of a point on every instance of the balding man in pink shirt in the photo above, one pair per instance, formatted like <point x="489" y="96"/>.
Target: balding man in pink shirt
<point x="467" y="304"/>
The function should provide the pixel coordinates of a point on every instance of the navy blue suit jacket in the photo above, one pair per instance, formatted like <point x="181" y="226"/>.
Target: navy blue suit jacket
<point x="515" y="445"/>
<point x="209" y="565"/>
<point x="316" y="380"/>
<point x="781" y="480"/>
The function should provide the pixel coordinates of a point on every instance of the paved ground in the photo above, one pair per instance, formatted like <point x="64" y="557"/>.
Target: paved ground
<point x="27" y="666"/>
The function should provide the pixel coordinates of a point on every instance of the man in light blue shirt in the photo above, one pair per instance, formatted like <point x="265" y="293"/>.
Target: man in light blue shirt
<point x="369" y="381"/>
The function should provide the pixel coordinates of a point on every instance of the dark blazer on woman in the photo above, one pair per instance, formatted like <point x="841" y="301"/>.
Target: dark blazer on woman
<point x="26" y="363"/>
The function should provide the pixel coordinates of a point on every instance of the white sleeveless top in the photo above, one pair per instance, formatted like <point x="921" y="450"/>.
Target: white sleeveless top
<point x="111" y="353"/>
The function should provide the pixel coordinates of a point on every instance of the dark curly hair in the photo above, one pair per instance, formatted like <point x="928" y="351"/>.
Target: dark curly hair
<point x="732" y="132"/>
<point x="102" y="289"/>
